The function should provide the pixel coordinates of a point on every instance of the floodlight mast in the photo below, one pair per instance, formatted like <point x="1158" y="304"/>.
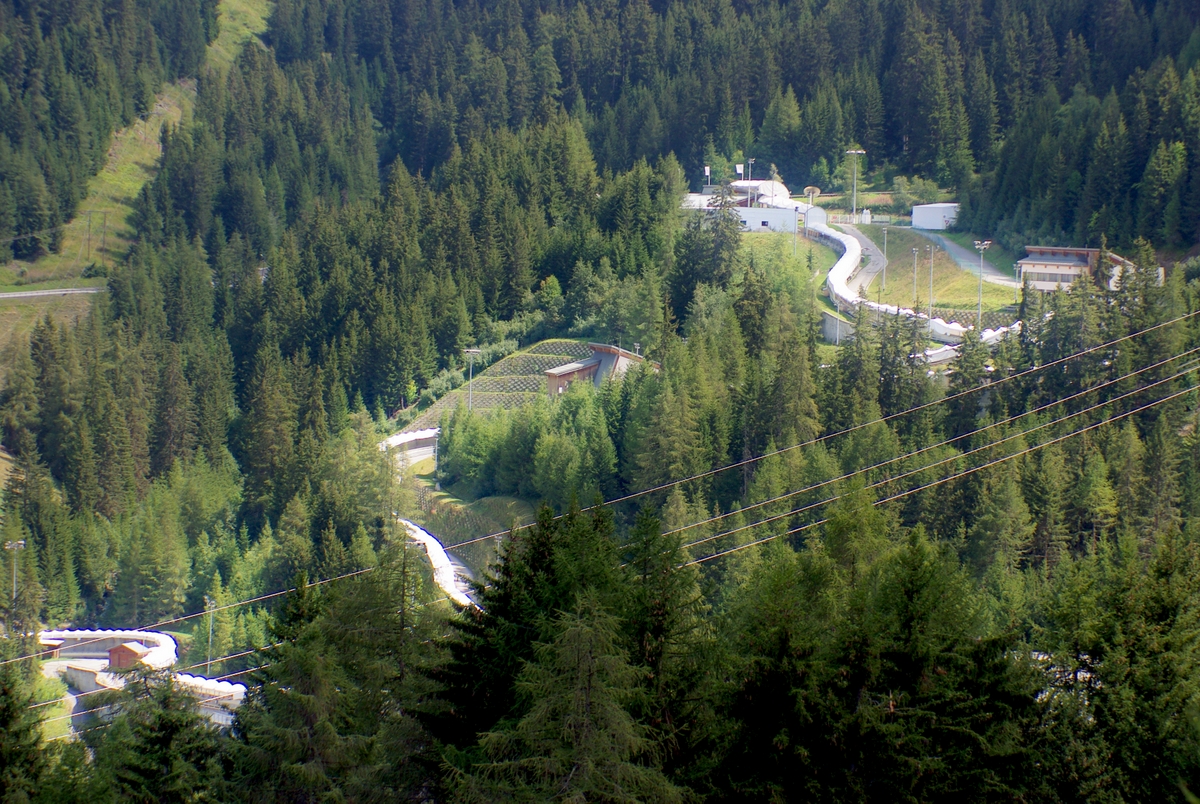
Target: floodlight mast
<point x="471" y="377"/>
<point x="14" y="546"/>
<point x="982" y="246"/>
<point x="856" y="153"/>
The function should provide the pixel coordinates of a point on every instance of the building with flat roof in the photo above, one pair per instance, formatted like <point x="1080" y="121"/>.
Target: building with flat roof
<point x="763" y="205"/>
<point x="1047" y="267"/>
<point x="606" y="361"/>
<point x="126" y="655"/>
<point x="934" y="216"/>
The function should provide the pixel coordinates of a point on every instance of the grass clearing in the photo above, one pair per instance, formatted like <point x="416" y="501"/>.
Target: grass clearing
<point x="52" y="689"/>
<point x="101" y="231"/>
<point x="239" y="21"/>
<point x="17" y="317"/>
<point x="454" y="520"/>
<point x="952" y="286"/>
<point x="772" y="253"/>
<point x="6" y="466"/>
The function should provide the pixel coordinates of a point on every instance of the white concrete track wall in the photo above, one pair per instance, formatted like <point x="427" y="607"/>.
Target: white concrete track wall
<point x="216" y="699"/>
<point x="846" y="300"/>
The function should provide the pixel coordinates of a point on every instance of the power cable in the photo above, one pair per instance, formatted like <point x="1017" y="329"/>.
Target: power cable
<point x="951" y="459"/>
<point x="185" y="617"/>
<point x="828" y="436"/>
<point x="955" y="476"/>
<point x="944" y="443"/>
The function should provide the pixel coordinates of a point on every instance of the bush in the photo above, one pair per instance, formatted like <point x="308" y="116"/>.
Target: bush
<point x="909" y="191"/>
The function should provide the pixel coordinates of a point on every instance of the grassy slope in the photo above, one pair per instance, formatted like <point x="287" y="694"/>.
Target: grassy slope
<point x="453" y="519"/>
<point x="997" y="255"/>
<point x="513" y="381"/>
<point x="132" y="161"/>
<point x="772" y="251"/>
<point x="952" y="286"/>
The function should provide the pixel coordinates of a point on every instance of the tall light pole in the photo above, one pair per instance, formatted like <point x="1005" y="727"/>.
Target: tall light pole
<point x="856" y="153"/>
<point x="931" y="250"/>
<point x="885" y="259"/>
<point x="750" y="178"/>
<point x="812" y="192"/>
<point x="19" y="544"/>
<point x="471" y="376"/>
<point x="982" y="246"/>
<point x="914" y="251"/>
<point x="208" y="606"/>
<point x="795" y="231"/>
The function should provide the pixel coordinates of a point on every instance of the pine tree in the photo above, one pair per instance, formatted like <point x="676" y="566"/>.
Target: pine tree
<point x="158" y="748"/>
<point x="578" y="740"/>
<point x="22" y="757"/>
<point x="665" y="617"/>
<point x="174" y="434"/>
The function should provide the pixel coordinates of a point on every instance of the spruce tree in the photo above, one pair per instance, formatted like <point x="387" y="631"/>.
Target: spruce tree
<point x="578" y="740"/>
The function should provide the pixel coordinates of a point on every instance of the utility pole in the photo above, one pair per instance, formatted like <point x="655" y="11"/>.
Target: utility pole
<point x="931" y="250"/>
<point x="208" y="606"/>
<point x="471" y="377"/>
<point x="982" y="246"/>
<point x="750" y="178"/>
<point x="89" y="235"/>
<point x="855" y="152"/>
<point x="885" y="259"/>
<point x="103" y="238"/>
<point x="19" y="544"/>
<point x="914" y="251"/>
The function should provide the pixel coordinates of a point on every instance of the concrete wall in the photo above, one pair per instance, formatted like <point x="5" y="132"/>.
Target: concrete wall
<point x="835" y="330"/>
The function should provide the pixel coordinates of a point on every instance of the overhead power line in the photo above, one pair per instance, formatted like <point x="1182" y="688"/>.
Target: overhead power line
<point x="951" y="459"/>
<point x="854" y="428"/>
<point x="944" y="443"/>
<point x="194" y="615"/>
<point x="939" y="482"/>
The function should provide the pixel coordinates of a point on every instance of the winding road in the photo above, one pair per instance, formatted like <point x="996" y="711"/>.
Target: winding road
<point x="30" y="294"/>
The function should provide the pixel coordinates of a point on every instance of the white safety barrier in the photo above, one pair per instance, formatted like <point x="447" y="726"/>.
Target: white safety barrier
<point x="845" y="299"/>
<point x="217" y="699"/>
<point x="95" y="644"/>
<point x="444" y="573"/>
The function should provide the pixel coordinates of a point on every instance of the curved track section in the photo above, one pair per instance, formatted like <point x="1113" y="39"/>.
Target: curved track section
<point x="839" y="290"/>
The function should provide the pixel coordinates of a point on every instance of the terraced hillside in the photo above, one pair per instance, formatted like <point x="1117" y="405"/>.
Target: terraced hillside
<point x="508" y="383"/>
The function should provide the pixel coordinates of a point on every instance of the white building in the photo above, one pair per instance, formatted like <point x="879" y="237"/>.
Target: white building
<point x="763" y="206"/>
<point x="934" y="216"/>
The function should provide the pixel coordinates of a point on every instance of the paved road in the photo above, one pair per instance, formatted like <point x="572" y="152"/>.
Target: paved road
<point x="28" y="294"/>
<point x="968" y="260"/>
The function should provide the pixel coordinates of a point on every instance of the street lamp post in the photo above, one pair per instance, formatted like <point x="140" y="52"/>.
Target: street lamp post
<point x="931" y="250"/>
<point x="982" y="246"/>
<point x="19" y="544"/>
<point x="914" y="251"/>
<point x="470" y="376"/>
<point x="885" y="259"/>
<point x="208" y="606"/>
<point x="855" y="152"/>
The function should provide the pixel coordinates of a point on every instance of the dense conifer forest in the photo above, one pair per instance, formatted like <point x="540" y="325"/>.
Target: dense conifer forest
<point x="824" y="573"/>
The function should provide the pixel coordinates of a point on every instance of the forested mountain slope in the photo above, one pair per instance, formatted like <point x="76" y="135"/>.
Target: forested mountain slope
<point x="70" y="74"/>
<point x="833" y="576"/>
